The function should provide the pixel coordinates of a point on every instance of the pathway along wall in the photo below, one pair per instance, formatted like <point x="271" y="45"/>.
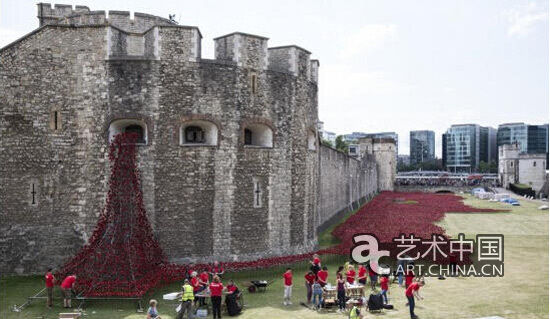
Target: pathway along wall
<point x="345" y="184"/>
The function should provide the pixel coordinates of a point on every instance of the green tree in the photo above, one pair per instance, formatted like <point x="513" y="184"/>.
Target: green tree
<point x="326" y="143"/>
<point x="341" y="145"/>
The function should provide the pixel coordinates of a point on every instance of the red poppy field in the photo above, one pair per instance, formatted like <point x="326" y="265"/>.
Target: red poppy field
<point x="122" y="257"/>
<point x="393" y="213"/>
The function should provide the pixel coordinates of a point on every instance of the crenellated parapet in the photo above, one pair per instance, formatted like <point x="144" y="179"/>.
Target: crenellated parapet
<point x="82" y="16"/>
<point x="149" y="37"/>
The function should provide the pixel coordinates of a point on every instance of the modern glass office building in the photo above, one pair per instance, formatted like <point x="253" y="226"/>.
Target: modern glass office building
<point x="422" y="146"/>
<point x="462" y="147"/>
<point x="466" y="145"/>
<point x="532" y="139"/>
<point x="537" y="139"/>
<point x="511" y="133"/>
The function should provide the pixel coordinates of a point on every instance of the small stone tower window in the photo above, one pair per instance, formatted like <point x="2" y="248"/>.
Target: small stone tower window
<point x="198" y="133"/>
<point x="55" y="120"/>
<point x="247" y="137"/>
<point x="259" y="135"/>
<point x="254" y="83"/>
<point x="534" y="163"/>
<point x="129" y="126"/>
<point x="134" y="128"/>
<point x="194" y="134"/>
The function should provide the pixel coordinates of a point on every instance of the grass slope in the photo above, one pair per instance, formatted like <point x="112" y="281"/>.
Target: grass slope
<point x="521" y="293"/>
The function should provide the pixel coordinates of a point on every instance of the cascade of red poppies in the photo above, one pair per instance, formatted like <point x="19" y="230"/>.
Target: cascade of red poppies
<point x="121" y="258"/>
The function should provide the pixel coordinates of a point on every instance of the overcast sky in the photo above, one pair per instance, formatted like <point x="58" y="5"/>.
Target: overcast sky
<point x="385" y="65"/>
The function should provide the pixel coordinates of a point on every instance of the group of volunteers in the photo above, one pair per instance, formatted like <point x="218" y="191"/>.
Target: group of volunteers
<point x="317" y="278"/>
<point x="66" y="288"/>
<point x="194" y="287"/>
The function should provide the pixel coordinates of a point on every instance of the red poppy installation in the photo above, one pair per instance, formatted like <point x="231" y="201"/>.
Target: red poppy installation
<point x="122" y="258"/>
<point x="391" y="214"/>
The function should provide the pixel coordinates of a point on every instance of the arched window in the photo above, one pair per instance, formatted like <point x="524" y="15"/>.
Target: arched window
<point x="134" y="128"/>
<point x="194" y="134"/>
<point x="311" y="140"/>
<point x="247" y="137"/>
<point x="129" y="126"/>
<point x="198" y="132"/>
<point x="258" y="135"/>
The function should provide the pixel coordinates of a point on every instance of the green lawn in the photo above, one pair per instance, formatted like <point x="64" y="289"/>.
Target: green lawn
<point x="521" y="293"/>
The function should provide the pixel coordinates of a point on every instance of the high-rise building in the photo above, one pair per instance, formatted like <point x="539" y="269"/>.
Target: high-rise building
<point x="511" y="133"/>
<point x="422" y="146"/>
<point x="444" y="150"/>
<point x="466" y="145"/>
<point x="537" y="139"/>
<point x="488" y="144"/>
<point x="532" y="139"/>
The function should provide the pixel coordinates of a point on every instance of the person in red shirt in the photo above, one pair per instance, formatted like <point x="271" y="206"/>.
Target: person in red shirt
<point x="384" y="287"/>
<point x="409" y="277"/>
<point x="216" y="288"/>
<point x="362" y="274"/>
<point x="231" y="288"/>
<point x="216" y="270"/>
<point x="413" y="290"/>
<point x="288" y="287"/>
<point x="322" y="276"/>
<point x="50" y="280"/>
<point x="197" y="287"/>
<point x="315" y="264"/>
<point x="350" y="275"/>
<point x="67" y="287"/>
<point x="310" y="279"/>
<point x="204" y="281"/>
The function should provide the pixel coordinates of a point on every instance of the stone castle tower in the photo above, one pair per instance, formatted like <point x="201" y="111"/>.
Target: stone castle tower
<point x="229" y="154"/>
<point x="384" y="152"/>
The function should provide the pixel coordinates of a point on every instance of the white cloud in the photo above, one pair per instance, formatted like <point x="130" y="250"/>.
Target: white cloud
<point x="369" y="37"/>
<point x="524" y="18"/>
<point x="7" y="36"/>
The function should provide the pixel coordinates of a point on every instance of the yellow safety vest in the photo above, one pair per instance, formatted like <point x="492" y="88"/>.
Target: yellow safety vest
<point x="353" y="313"/>
<point x="187" y="294"/>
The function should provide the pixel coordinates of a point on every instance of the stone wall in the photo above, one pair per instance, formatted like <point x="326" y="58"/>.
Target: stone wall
<point x="71" y="82"/>
<point x="345" y="184"/>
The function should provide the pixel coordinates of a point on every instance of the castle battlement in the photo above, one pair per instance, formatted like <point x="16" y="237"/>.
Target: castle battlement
<point x="81" y="15"/>
<point x="143" y="36"/>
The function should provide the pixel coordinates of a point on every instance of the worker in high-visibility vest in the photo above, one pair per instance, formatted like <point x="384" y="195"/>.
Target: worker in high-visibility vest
<point x="187" y="297"/>
<point x="355" y="313"/>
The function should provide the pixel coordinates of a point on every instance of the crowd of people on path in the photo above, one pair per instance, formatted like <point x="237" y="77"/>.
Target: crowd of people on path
<point x="317" y="281"/>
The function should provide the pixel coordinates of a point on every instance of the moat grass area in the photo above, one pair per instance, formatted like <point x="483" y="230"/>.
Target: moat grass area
<point x="521" y="293"/>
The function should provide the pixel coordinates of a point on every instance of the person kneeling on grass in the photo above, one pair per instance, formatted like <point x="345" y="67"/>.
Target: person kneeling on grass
<point x="152" y="312"/>
<point x="288" y="287"/>
<point x="413" y="291"/>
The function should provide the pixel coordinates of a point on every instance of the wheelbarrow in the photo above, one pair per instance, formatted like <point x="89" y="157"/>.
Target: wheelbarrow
<point x="257" y="285"/>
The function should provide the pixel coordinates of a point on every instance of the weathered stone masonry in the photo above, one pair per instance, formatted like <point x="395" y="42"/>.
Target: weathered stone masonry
<point x="230" y="162"/>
